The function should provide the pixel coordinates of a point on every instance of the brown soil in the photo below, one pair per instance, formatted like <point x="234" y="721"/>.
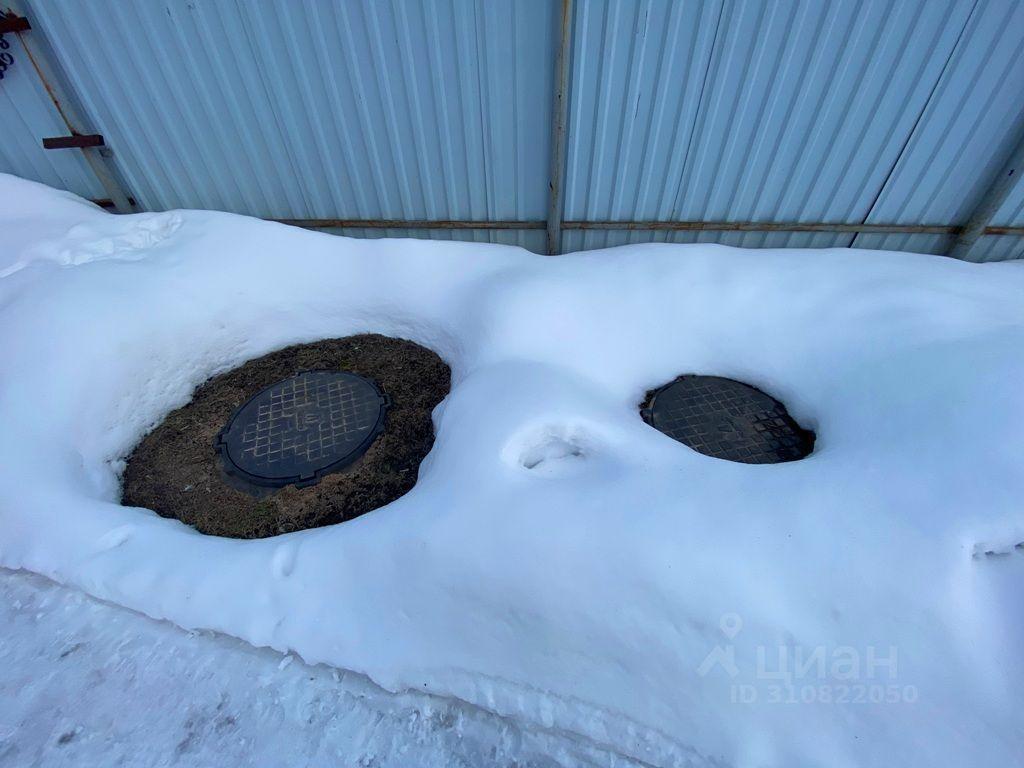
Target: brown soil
<point x="176" y="471"/>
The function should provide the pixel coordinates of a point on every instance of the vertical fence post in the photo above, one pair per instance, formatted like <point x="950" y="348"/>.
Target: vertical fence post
<point x="559" y="119"/>
<point x="993" y="199"/>
<point x="42" y="59"/>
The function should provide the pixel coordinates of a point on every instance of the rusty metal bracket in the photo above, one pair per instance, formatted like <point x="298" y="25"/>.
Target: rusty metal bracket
<point x="75" y="141"/>
<point x="11" y="22"/>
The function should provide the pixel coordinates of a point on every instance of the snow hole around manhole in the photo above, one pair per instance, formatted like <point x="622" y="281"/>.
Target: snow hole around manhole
<point x="178" y="471"/>
<point x="727" y="419"/>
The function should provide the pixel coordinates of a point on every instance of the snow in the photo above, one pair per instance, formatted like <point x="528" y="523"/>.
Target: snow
<point x="83" y="683"/>
<point x="559" y="563"/>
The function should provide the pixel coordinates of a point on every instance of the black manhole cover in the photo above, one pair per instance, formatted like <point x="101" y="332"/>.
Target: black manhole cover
<point x="727" y="419"/>
<point x="300" y="429"/>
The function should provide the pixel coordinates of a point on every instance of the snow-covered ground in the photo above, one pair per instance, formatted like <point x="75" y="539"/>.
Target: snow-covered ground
<point x="559" y="564"/>
<point x="83" y="683"/>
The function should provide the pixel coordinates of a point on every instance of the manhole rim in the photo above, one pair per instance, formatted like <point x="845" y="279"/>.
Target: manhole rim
<point x="232" y="470"/>
<point x="807" y="437"/>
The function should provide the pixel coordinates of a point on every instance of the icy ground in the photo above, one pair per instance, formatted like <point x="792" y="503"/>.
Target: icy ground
<point x="84" y="683"/>
<point x="559" y="563"/>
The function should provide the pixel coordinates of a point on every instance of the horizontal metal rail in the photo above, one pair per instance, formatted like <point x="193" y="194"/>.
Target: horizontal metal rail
<point x="630" y="226"/>
<point x="760" y="226"/>
<point x="409" y="224"/>
<point x="665" y="226"/>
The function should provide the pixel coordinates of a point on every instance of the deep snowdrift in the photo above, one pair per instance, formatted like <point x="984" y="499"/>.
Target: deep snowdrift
<point x="839" y="610"/>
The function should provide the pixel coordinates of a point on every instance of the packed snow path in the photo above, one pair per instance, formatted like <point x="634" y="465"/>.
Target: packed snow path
<point x="559" y="562"/>
<point x="84" y="683"/>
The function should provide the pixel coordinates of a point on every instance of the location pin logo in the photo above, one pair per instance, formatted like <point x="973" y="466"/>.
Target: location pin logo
<point x="731" y="624"/>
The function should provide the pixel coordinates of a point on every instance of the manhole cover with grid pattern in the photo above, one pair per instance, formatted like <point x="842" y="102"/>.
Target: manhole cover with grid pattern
<point x="727" y="419"/>
<point x="302" y="428"/>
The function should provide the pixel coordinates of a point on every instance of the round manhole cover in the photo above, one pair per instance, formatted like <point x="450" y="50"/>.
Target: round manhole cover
<point x="727" y="419"/>
<point x="302" y="428"/>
